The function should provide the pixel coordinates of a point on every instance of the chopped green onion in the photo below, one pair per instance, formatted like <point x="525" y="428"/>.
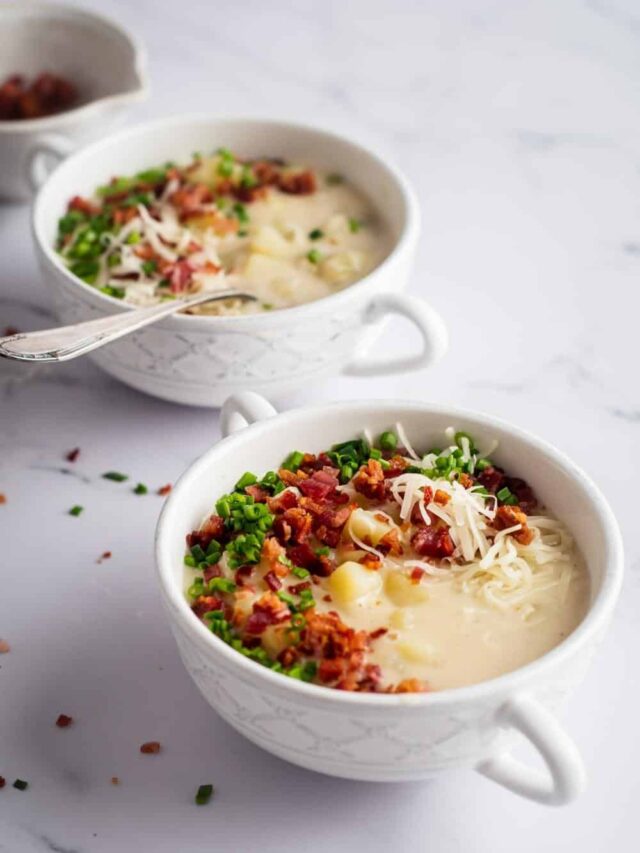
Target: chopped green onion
<point x="293" y="461"/>
<point x="323" y="551"/>
<point x="115" y="292"/>
<point x="299" y="572"/>
<point x="140" y="489"/>
<point x="314" y="256"/>
<point x="204" y="794"/>
<point x="221" y="585"/>
<point x="21" y="785"/>
<point x="287" y="598"/>
<point x="354" y="225"/>
<point x="198" y="553"/>
<point x="247" y="479"/>
<point x="482" y="464"/>
<point x="76" y="510"/>
<point x="225" y="168"/>
<point x="133" y="238"/>
<point x="149" y="267"/>
<point x="334" y="179"/>
<point x="190" y="561"/>
<point x="316" y="234"/>
<point x="116" y="476"/>
<point x="506" y="496"/>
<point x="388" y="440"/>
<point x="241" y="212"/>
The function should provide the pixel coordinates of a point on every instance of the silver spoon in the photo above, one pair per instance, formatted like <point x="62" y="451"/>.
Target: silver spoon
<point x="69" y="342"/>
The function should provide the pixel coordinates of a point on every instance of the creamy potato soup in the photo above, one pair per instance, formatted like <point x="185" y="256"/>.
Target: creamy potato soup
<point x="372" y="568"/>
<point x="286" y="233"/>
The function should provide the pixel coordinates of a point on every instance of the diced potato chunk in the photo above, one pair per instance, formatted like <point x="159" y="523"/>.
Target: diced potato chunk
<point x="403" y="592"/>
<point x="418" y="652"/>
<point x="351" y="582"/>
<point x="343" y="267"/>
<point x="367" y="527"/>
<point x="401" y="619"/>
<point x="268" y="240"/>
<point x="275" y="639"/>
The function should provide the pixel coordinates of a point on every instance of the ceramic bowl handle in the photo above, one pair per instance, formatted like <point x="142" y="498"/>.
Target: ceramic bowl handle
<point x="46" y="149"/>
<point x="429" y="323"/>
<point x="565" y="777"/>
<point x="241" y="410"/>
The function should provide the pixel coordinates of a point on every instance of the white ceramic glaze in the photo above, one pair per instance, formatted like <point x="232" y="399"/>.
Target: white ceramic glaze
<point x="200" y="360"/>
<point x="100" y="57"/>
<point x="410" y="736"/>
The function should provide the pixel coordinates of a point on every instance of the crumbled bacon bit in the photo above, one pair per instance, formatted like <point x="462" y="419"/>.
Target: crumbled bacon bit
<point x="180" y="276"/>
<point x="390" y="542"/>
<point x="3" y="781"/>
<point x="299" y="183"/>
<point x="433" y="541"/>
<point x="441" y="497"/>
<point x="190" y="199"/>
<point x="63" y="721"/>
<point x="523" y="493"/>
<point x="465" y="480"/>
<point x="369" y="480"/>
<point x="409" y="685"/>
<point x="213" y="528"/>
<point x="379" y="632"/>
<point x="297" y="522"/>
<point x="3" y="498"/>
<point x="115" y="780"/>
<point x="82" y="205"/>
<point x="268" y="610"/>
<point x="206" y="604"/>
<point x="303" y="555"/>
<point x="272" y="554"/>
<point x="396" y="467"/>
<point x="164" y="490"/>
<point x="417" y="574"/>
<point x="72" y="455"/>
<point x="151" y="747"/>
<point x="509" y="516"/>
<point x="273" y="581"/>
<point x="106" y="555"/>
<point x="10" y="331"/>
<point x="4" y="647"/>
<point x="285" y="500"/>
<point x="259" y="495"/>
<point x="491" y="478"/>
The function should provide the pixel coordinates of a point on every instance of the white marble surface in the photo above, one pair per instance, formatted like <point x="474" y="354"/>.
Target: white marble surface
<point x="519" y="125"/>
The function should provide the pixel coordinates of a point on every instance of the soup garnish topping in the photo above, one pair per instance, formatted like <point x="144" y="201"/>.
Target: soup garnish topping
<point x="371" y="568"/>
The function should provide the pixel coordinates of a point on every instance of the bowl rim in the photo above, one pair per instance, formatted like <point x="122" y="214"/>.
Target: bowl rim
<point x="596" y="617"/>
<point x="404" y="243"/>
<point x="60" y="120"/>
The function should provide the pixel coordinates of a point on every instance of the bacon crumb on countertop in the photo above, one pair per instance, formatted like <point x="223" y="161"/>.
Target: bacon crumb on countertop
<point x="72" y="455"/>
<point x="3" y="498"/>
<point x="64" y="721"/>
<point x="151" y="747"/>
<point x="4" y="647"/>
<point x="115" y="780"/>
<point x="164" y="490"/>
<point x="106" y="555"/>
<point x="3" y="781"/>
<point x="9" y="331"/>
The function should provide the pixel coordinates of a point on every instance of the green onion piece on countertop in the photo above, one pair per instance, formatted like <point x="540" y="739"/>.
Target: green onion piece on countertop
<point x="204" y="794"/>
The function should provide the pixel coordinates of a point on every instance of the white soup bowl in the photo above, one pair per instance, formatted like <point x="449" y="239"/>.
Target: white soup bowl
<point x="200" y="360"/>
<point x="409" y="736"/>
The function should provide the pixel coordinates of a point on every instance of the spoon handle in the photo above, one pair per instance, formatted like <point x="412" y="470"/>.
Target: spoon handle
<point x="67" y="342"/>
